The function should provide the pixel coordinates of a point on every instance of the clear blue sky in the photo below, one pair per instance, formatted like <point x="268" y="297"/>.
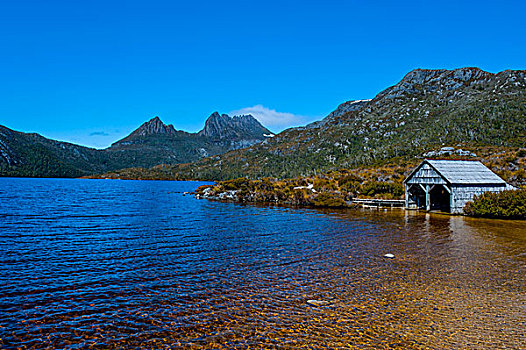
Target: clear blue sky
<point x="92" y="71"/>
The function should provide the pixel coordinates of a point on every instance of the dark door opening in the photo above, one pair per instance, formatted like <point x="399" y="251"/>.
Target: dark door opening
<point x="417" y="196"/>
<point x="440" y="199"/>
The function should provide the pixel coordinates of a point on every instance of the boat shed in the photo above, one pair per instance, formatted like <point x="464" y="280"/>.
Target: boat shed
<point x="447" y="185"/>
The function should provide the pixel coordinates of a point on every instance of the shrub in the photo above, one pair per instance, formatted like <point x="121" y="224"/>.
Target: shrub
<point x="350" y="183"/>
<point x="328" y="200"/>
<point x="322" y="185"/>
<point x="300" y="197"/>
<point x="377" y="188"/>
<point x="503" y="205"/>
<point x="236" y="184"/>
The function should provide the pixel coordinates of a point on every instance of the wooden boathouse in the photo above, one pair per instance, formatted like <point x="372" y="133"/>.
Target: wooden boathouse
<point x="447" y="185"/>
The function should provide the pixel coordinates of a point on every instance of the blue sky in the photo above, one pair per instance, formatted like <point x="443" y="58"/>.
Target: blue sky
<point x="90" y="72"/>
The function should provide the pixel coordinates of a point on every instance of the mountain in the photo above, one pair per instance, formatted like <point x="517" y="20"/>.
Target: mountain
<point x="153" y="143"/>
<point x="426" y="110"/>
<point x="243" y="128"/>
<point x="153" y="127"/>
<point x="23" y="154"/>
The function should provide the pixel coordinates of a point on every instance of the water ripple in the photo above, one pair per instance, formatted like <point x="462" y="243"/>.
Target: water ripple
<point x="130" y="264"/>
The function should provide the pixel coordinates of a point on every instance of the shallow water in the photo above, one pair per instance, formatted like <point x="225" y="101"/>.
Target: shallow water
<point x="138" y="264"/>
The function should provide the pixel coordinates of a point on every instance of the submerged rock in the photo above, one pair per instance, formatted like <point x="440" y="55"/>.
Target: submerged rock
<point x="317" y="302"/>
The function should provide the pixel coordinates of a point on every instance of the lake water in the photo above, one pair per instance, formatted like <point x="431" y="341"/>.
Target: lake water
<point x="138" y="264"/>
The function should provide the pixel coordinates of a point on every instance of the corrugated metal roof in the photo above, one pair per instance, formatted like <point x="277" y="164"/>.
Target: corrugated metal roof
<point x="465" y="172"/>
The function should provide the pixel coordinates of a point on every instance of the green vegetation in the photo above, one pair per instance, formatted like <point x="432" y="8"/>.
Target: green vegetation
<point x="333" y="189"/>
<point x="31" y="155"/>
<point x="328" y="200"/>
<point x="501" y="205"/>
<point x="383" y="190"/>
<point x="508" y="162"/>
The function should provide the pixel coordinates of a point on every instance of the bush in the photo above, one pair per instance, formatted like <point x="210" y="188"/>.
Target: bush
<point x="328" y="200"/>
<point x="350" y="183"/>
<point x="376" y="188"/>
<point x="323" y="185"/>
<point x="502" y="205"/>
<point x="236" y="184"/>
<point x="300" y="197"/>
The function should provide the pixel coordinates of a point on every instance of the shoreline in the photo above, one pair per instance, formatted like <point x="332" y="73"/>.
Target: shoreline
<point x="332" y="200"/>
<point x="223" y="192"/>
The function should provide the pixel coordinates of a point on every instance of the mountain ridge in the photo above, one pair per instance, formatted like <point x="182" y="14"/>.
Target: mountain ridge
<point x="151" y="127"/>
<point x="152" y="143"/>
<point x="221" y="126"/>
<point x="427" y="109"/>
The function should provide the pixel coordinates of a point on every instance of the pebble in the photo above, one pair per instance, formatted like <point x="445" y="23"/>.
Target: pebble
<point x="317" y="302"/>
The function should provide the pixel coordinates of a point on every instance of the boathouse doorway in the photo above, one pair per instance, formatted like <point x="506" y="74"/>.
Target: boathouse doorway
<point x="417" y="196"/>
<point x="440" y="198"/>
<point x="428" y="197"/>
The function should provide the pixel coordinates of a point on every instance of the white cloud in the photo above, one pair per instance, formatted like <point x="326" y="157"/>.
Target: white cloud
<point x="272" y="119"/>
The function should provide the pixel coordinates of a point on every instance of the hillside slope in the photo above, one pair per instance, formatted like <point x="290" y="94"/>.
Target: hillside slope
<point x="32" y="155"/>
<point x="425" y="110"/>
<point x="153" y="143"/>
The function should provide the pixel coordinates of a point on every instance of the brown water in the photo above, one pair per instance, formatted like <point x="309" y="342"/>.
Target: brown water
<point x="109" y="264"/>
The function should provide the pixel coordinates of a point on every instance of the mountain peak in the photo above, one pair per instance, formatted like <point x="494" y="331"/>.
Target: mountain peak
<point x="221" y="126"/>
<point x="152" y="127"/>
<point x="423" y="76"/>
<point x="441" y="82"/>
<point x="217" y="116"/>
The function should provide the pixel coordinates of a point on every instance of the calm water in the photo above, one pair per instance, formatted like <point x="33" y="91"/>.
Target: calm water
<point x="130" y="264"/>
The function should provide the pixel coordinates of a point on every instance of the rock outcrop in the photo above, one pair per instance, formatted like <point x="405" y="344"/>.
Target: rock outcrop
<point x="242" y="127"/>
<point x="154" y="126"/>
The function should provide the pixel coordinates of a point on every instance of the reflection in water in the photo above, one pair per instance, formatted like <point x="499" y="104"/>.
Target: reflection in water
<point x="109" y="264"/>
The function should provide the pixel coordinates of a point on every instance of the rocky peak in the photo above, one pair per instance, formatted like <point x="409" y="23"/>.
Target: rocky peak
<point x="422" y="93"/>
<point x="430" y="76"/>
<point x="153" y="126"/>
<point x="148" y="129"/>
<point x="443" y="84"/>
<point x="221" y="126"/>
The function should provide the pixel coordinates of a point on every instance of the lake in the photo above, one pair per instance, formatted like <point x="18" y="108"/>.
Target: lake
<point x="139" y="264"/>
